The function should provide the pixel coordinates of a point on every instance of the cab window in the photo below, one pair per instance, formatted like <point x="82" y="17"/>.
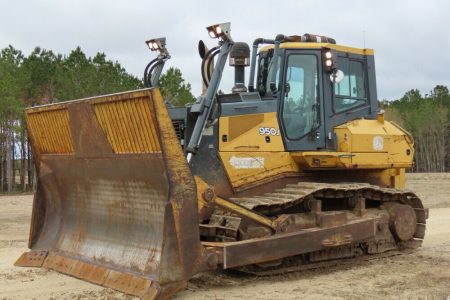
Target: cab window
<point x="351" y="91"/>
<point x="301" y="97"/>
<point x="265" y="67"/>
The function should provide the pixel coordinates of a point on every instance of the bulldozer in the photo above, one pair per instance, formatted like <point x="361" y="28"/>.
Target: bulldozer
<point x="295" y="168"/>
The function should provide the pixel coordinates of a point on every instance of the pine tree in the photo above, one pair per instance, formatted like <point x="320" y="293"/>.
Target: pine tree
<point x="174" y="89"/>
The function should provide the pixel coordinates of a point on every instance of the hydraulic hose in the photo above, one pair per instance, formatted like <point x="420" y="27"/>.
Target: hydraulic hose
<point x="206" y="78"/>
<point x="147" y="82"/>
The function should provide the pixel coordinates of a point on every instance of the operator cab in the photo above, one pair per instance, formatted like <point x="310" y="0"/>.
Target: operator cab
<point x="312" y="83"/>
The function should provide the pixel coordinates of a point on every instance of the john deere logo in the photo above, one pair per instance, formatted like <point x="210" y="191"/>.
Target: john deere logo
<point x="378" y="143"/>
<point x="247" y="162"/>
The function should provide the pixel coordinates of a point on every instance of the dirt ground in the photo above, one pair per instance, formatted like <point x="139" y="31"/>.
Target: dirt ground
<point x="423" y="274"/>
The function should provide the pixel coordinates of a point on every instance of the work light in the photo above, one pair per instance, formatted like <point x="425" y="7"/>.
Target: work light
<point x="219" y="30"/>
<point x="156" y="44"/>
<point x="329" y="59"/>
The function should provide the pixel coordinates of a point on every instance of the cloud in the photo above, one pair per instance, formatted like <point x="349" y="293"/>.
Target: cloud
<point x="409" y="37"/>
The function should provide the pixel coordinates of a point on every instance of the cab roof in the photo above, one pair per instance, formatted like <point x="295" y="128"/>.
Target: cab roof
<point x="309" y="45"/>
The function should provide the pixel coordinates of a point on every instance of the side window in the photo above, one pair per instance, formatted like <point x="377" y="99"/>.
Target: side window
<point x="265" y="67"/>
<point x="301" y="97"/>
<point x="277" y="74"/>
<point x="263" y="70"/>
<point x="351" y="91"/>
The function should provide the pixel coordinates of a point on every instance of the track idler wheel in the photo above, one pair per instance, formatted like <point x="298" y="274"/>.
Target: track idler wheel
<point x="402" y="221"/>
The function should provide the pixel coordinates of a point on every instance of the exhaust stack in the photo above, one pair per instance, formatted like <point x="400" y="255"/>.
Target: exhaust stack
<point x="239" y="59"/>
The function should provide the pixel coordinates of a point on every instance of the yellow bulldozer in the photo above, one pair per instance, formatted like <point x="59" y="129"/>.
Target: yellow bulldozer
<point x="295" y="168"/>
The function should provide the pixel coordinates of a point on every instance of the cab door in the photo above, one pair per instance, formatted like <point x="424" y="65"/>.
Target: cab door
<point x="300" y="109"/>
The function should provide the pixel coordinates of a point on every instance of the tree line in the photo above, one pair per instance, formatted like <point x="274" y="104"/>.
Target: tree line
<point x="45" y="77"/>
<point x="427" y="118"/>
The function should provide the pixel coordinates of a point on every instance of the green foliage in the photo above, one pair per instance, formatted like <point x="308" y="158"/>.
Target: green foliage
<point x="45" y="77"/>
<point x="80" y="76"/>
<point x="427" y="118"/>
<point x="11" y="76"/>
<point x="50" y="77"/>
<point x="174" y="89"/>
<point x="39" y="70"/>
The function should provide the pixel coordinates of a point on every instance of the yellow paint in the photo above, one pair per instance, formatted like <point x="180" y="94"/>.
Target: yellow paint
<point x="129" y="125"/>
<point x="201" y="187"/>
<point x="127" y="120"/>
<point x="322" y="159"/>
<point x="247" y="168"/>
<point x="50" y="130"/>
<point x="398" y="178"/>
<point x="228" y="205"/>
<point x="377" y="160"/>
<point x="356" y="150"/>
<point x="300" y="45"/>
<point x="242" y="211"/>
<point x="243" y="133"/>
<point x="359" y="137"/>
<point x="394" y="177"/>
<point x="347" y="160"/>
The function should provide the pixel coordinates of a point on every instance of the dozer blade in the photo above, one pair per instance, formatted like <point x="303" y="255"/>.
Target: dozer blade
<point x="116" y="201"/>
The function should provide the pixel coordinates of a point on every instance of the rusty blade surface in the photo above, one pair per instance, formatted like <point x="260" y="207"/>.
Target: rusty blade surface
<point x="116" y="201"/>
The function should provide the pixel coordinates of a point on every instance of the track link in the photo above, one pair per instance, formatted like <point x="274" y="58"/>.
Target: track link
<point x="297" y="194"/>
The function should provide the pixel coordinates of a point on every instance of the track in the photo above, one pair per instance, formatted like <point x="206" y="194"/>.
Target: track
<point x="299" y="197"/>
<point x="294" y="195"/>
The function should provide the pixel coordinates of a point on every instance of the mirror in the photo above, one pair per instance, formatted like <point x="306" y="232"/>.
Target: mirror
<point x="337" y="76"/>
<point x="202" y="49"/>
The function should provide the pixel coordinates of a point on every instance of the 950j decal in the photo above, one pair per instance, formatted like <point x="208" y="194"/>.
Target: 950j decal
<point x="269" y="131"/>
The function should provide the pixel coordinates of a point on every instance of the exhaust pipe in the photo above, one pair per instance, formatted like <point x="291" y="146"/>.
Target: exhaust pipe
<point x="239" y="59"/>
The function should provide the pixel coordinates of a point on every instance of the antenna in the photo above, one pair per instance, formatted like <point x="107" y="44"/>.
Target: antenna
<point x="364" y="39"/>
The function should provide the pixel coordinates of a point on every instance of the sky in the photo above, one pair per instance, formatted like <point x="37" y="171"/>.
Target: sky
<point x="411" y="39"/>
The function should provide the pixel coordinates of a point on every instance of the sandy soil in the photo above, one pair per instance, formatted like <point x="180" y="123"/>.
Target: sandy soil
<point x="424" y="274"/>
